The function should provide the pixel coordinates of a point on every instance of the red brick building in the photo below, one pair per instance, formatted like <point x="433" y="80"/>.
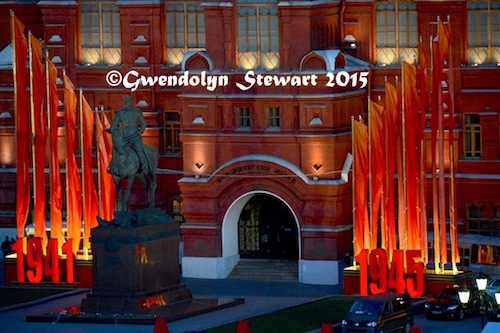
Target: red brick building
<point x="263" y="172"/>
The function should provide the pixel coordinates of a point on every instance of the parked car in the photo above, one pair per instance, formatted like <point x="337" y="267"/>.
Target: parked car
<point x="446" y="304"/>
<point x="492" y="287"/>
<point x="383" y="313"/>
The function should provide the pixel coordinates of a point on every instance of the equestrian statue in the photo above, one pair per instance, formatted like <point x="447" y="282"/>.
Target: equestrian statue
<point x="130" y="157"/>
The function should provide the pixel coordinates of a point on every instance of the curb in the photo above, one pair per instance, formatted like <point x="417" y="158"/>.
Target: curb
<point x="44" y="299"/>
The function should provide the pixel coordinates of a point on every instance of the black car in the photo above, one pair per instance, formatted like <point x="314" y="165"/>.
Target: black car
<point x="446" y="304"/>
<point x="383" y="313"/>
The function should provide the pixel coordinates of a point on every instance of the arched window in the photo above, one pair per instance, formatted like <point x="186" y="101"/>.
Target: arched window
<point x="258" y="38"/>
<point x="100" y="33"/>
<point x="483" y="32"/>
<point x="397" y="38"/>
<point x="185" y="29"/>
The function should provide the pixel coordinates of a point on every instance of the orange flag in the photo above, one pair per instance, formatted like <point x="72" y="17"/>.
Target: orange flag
<point x="107" y="190"/>
<point x="391" y="118"/>
<point x="73" y="183"/>
<point x="90" y="208"/>
<point x="377" y="158"/>
<point x="360" y="179"/>
<point x="422" y="78"/>
<point x="55" y="173"/>
<point x="412" y="154"/>
<point x="20" y="72"/>
<point x="440" y="58"/>
<point x="451" y="124"/>
<point x="38" y="94"/>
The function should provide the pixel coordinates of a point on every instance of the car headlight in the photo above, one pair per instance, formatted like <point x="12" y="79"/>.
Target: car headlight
<point x="452" y="307"/>
<point x="427" y="306"/>
<point x="344" y="322"/>
<point x="372" y="324"/>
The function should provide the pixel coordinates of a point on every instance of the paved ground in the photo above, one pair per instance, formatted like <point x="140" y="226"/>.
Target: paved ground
<point x="260" y="298"/>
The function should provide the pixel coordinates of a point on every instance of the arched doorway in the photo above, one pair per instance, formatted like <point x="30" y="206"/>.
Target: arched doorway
<point x="267" y="229"/>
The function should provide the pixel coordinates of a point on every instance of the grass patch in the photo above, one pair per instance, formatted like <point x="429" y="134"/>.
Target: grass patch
<point x="297" y="319"/>
<point x="13" y="296"/>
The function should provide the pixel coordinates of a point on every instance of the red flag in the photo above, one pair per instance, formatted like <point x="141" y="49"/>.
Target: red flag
<point x="451" y="124"/>
<point x="412" y="154"/>
<point x="107" y="190"/>
<point x="422" y="75"/>
<point x="360" y="150"/>
<point x="441" y="55"/>
<point x="20" y="72"/>
<point x="391" y="117"/>
<point x="38" y="94"/>
<point x="377" y="158"/>
<point x="74" y="191"/>
<point x="90" y="209"/>
<point x="55" y="173"/>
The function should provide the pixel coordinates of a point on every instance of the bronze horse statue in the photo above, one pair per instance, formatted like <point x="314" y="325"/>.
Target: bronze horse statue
<point x="125" y="164"/>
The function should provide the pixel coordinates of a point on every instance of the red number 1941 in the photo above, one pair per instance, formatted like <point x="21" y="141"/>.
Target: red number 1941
<point x="377" y="276"/>
<point x="40" y="265"/>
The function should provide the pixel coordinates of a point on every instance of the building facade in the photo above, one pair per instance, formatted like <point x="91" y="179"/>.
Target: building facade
<point x="253" y="167"/>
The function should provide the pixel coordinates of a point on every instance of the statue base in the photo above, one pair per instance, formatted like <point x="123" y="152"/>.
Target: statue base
<point x="136" y="263"/>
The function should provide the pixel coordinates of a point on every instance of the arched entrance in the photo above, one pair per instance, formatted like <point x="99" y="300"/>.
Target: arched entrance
<point x="267" y="229"/>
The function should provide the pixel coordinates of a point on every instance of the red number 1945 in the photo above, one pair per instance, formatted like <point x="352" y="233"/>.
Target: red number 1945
<point x="376" y="276"/>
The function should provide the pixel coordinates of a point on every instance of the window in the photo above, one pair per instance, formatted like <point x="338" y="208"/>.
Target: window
<point x="476" y="221"/>
<point x="185" y="29"/>
<point x="258" y="42"/>
<point x="176" y="211"/>
<point x="495" y="219"/>
<point x="483" y="32"/>
<point x="273" y="118"/>
<point x="171" y="130"/>
<point x="397" y="38"/>
<point x="472" y="136"/>
<point x="243" y="118"/>
<point x="100" y="33"/>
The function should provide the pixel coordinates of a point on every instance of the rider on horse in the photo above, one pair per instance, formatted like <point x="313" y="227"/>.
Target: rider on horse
<point x="133" y="125"/>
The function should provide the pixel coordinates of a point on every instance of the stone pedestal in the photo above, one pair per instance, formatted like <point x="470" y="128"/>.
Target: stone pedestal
<point x="136" y="263"/>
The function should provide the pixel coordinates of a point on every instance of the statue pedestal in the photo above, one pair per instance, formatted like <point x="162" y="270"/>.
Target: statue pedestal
<point x="136" y="264"/>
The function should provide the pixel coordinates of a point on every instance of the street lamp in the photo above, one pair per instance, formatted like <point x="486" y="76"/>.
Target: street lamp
<point x="464" y="295"/>
<point x="482" y="282"/>
<point x="497" y="299"/>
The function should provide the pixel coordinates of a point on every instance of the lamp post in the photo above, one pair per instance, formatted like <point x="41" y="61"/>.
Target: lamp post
<point x="464" y="296"/>
<point x="497" y="299"/>
<point x="482" y="282"/>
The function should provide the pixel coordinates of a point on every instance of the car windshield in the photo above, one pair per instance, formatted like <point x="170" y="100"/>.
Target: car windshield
<point x="495" y="283"/>
<point x="448" y="293"/>
<point x="366" y="307"/>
